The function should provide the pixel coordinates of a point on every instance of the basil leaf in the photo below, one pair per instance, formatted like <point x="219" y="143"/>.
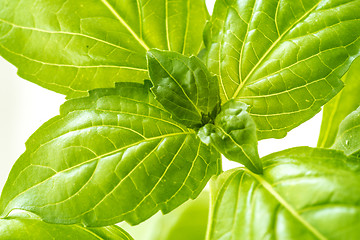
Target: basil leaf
<point x="184" y="86"/>
<point x="116" y="155"/>
<point x="234" y="135"/>
<point x="347" y="138"/>
<point x="283" y="58"/>
<point x="189" y="221"/>
<point x="304" y="193"/>
<point x="72" y="46"/>
<point x="34" y="229"/>
<point x="340" y="106"/>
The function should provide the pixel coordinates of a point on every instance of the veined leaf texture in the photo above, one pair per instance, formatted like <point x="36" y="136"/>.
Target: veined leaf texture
<point x="115" y="155"/>
<point x="304" y="193"/>
<point x="283" y="58"/>
<point x="73" y="46"/>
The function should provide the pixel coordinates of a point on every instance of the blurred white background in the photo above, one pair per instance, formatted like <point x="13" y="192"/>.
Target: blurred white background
<point x="25" y="106"/>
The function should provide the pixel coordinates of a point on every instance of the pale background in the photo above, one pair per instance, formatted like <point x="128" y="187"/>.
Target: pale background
<point x="24" y="107"/>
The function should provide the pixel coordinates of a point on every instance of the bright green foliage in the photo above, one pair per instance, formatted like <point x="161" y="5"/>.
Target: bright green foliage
<point x="304" y="193"/>
<point x="34" y="229"/>
<point x="283" y="58"/>
<point x="233" y="134"/>
<point x="71" y="46"/>
<point x="116" y="155"/>
<point x="188" y="222"/>
<point x="184" y="86"/>
<point x="347" y="138"/>
<point x="340" y="106"/>
<point x="123" y="151"/>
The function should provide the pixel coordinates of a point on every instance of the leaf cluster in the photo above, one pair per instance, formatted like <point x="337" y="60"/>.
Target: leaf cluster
<point x="159" y="92"/>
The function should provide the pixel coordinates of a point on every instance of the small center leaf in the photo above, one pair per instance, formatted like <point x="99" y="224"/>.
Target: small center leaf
<point x="184" y="87"/>
<point x="234" y="135"/>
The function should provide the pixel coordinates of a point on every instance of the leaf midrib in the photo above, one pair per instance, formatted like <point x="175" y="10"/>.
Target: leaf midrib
<point x="89" y="161"/>
<point x="273" y="45"/>
<point x="110" y="126"/>
<point x="122" y="21"/>
<point x="285" y="204"/>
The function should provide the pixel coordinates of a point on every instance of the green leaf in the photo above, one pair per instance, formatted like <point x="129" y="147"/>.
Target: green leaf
<point x="234" y="135"/>
<point x="34" y="229"/>
<point x="304" y="193"/>
<point x="340" y="106"/>
<point x="283" y="58"/>
<point x="72" y="46"/>
<point x="188" y="222"/>
<point x="184" y="86"/>
<point x="115" y="155"/>
<point x="347" y="138"/>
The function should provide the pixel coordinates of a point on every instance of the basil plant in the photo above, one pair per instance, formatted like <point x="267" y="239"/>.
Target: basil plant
<point x="159" y="92"/>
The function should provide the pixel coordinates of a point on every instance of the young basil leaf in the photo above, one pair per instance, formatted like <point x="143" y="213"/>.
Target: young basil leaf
<point x="34" y="229"/>
<point x="347" y="138"/>
<point x="283" y="58"/>
<point x="184" y="87"/>
<point x="304" y="193"/>
<point x="234" y="135"/>
<point x="340" y="106"/>
<point x="187" y="222"/>
<point x="115" y="155"/>
<point x="72" y="46"/>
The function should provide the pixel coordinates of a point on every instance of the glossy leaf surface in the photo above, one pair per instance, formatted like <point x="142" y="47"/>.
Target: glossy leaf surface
<point x="304" y="193"/>
<point x="284" y="58"/>
<point x="184" y="86"/>
<point x="71" y="46"/>
<point x="340" y="106"/>
<point x="348" y="137"/>
<point x="34" y="229"/>
<point x="187" y="222"/>
<point x="234" y="135"/>
<point x="116" y="155"/>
